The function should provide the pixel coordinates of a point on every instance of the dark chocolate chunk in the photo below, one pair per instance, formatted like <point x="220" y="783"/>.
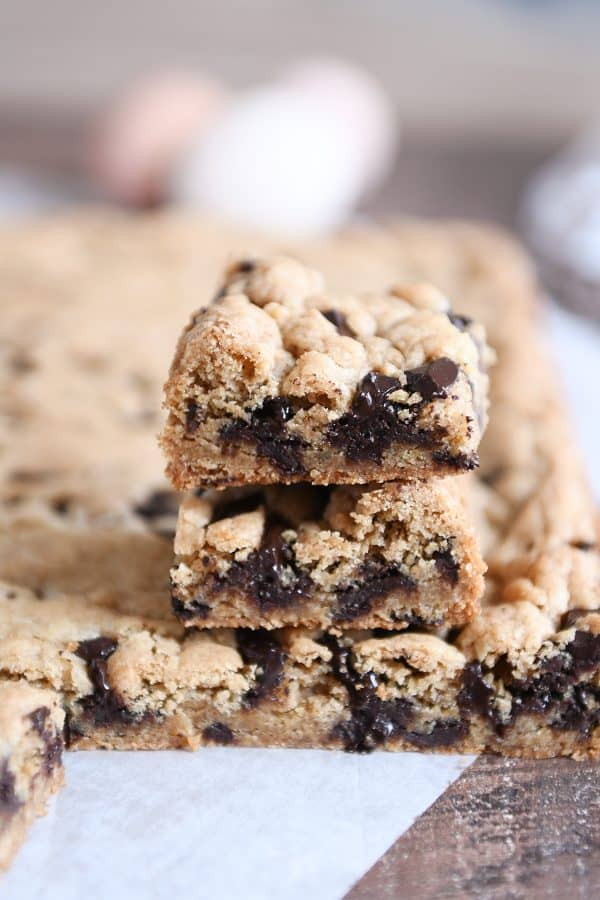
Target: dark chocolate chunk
<point x="267" y="431"/>
<point x="192" y="422"/>
<point x="460" y="322"/>
<point x="572" y="615"/>
<point x="260" y="648"/>
<point x="9" y="802"/>
<point x="270" y="575"/>
<point x="218" y="733"/>
<point x="53" y="742"/>
<point x="555" y="690"/>
<point x="188" y="609"/>
<point x="476" y="695"/>
<point x="446" y="565"/>
<point x="245" y="266"/>
<point x="373" y="423"/>
<point x="104" y="704"/>
<point x="586" y="546"/>
<point x="461" y="462"/>
<point x="372" y="720"/>
<point x="432" y="379"/>
<point x="376" y="579"/>
<point x="372" y="393"/>
<point x="338" y="319"/>
<point x="444" y="733"/>
<point x="61" y="505"/>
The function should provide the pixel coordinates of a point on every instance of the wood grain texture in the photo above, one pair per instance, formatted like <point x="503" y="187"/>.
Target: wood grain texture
<point x="505" y="829"/>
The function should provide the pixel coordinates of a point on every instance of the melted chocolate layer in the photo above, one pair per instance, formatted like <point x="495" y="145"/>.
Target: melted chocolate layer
<point x="374" y="423"/>
<point x="53" y="743"/>
<point x="104" y="705"/>
<point x="260" y="648"/>
<point x="9" y="802"/>
<point x="555" y="692"/>
<point x="218" y="733"/>
<point x="267" y="431"/>
<point x="375" y="581"/>
<point x="270" y="575"/>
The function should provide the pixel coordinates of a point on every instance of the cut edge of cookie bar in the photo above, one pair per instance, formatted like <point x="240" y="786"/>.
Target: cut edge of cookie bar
<point x="31" y="745"/>
<point x="519" y="679"/>
<point x="389" y="556"/>
<point x="277" y="381"/>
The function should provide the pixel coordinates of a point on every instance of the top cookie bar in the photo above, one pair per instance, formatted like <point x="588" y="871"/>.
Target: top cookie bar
<point x="278" y="381"/>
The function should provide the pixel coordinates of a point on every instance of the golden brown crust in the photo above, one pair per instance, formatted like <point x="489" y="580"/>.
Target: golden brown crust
<point x="273" y="335"/>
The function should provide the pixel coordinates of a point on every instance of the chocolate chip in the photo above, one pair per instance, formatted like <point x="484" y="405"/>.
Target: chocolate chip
<point x="267" y="431"/>
<point x="461" y="462"/>
<point x="192" y="421"/>
<point x="53" y="743"/>
<point x="218" y="733"/>
<point x="432" y="379"/>
<point x="586" y="546"/>
<point x="260" y="648"/>
<point x="186" y="610"/>
<point x="372" y="392"/>
<point x="245" y="266"/>
<point x="340" y="321"/>
<point x="572" y="615"/>
<point x="60" y="505"/>
<point x="9" y="801"/>
<point x="444" y="733"/>
<point x="447" y="565"/>
<point x="270" y="575"/>
<point x="104" y="705"/>
<point x="372" y="721"/>
<point x="376" y="579"/>
<point x="555" y="690"/>
<point x="476" y="695"/>
<point x="373" y="422"/>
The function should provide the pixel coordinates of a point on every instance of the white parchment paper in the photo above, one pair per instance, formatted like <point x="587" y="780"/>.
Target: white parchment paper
<point x="223" y="823"/>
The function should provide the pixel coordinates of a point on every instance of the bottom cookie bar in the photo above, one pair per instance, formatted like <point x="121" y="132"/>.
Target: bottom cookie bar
<point x="31" y="744"/>
<point x="517" y="680"/>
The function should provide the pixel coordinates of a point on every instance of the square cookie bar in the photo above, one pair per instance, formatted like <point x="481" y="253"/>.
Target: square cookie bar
<point x="31" y="744"/>
<point x="386" y="556"/>
<point x="277" y="381"/>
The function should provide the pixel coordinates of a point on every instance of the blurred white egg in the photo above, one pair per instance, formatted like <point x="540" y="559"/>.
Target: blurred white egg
<point x="295" y="157"/>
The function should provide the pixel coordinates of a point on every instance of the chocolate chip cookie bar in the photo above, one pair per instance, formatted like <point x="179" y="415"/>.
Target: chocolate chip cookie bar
<point x="519" y="679"/>
<point x="349" y="557"/>
<point x="278" y="381"/>
<point x="31" y="744"/>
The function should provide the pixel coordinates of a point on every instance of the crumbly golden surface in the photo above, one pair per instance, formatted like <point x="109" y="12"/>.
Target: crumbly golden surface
<point x="79" y="469"/>
<point x="277" y="380"/>
<point x="31" y="743"/>
<point x="387" y="556"/>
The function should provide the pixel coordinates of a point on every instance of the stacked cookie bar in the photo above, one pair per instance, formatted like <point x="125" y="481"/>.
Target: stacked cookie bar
<point x="93" y="305"/>
<point x="367" y="402"/>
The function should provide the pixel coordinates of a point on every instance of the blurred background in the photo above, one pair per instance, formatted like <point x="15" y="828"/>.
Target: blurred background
<point x="435" y="107"/>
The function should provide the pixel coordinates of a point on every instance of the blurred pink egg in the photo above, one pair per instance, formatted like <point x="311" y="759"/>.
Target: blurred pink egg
<point x="137" y="141"/>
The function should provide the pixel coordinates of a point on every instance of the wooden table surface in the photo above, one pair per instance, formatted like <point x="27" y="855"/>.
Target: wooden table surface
<point x="506" y="828"/>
